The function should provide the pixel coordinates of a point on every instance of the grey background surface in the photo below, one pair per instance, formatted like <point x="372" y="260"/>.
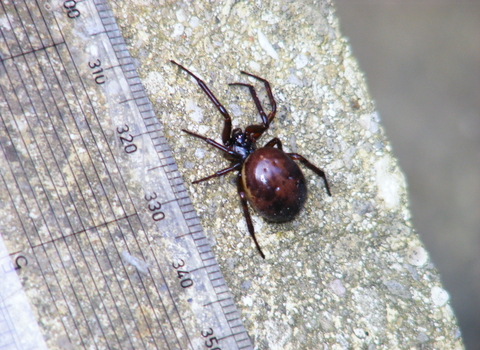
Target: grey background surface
<point x="422" y="63"/>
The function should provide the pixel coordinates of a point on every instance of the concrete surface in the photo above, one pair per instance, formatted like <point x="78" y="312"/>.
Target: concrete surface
<point x="422" y="63"/>
<point x="349" y="272"/>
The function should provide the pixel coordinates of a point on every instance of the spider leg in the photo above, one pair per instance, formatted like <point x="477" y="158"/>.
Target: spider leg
<point x="214" y="144"/>
<point x="264" y="117"/>
<point x="248" y="218"/>
<point x="312" y="167"/>
<point x="273" y="104"/>
<point x="227" y="126"/>
<point x="274" y="142"/>
<point x="219" y="173"/>
<point x="258" y="130"/>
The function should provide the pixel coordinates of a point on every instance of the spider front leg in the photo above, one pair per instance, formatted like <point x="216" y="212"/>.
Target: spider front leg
<point x="227" y="126"/>
<point x="246" y="213"/>
<point x="225" y="149"/>
<point x="273" y="104"/>
<point x="257" y="130"/>
<point x="214" y="143"/>
<point x="219" y="173"/>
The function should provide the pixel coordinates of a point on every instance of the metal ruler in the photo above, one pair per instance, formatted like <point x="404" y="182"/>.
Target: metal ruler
<point x="100" y="245"/>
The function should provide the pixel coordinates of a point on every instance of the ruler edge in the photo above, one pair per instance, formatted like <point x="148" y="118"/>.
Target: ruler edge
<point x="103" y="7"/>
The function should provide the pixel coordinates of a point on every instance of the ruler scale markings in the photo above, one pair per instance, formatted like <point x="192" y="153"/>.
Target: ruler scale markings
<point x="148" y="118"/>
<point x="115" y="213"/>
<point x="77" y="233"/>
<point x="133" y="289"/>
<point x="62" y="320"/>
<point x="103" y="247"/>
<point x="24" y="201"/>
<point x="50" y="263"/>
<point x="71" y="255"/>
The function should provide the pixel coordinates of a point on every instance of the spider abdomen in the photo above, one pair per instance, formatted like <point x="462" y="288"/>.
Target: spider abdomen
<point x="274" y="184"/>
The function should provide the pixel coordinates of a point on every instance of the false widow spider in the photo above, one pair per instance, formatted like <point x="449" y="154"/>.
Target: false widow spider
<point x="267" y="177"/>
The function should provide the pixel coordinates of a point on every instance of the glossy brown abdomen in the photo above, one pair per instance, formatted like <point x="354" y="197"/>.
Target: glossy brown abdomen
<point x="274" y="184"/>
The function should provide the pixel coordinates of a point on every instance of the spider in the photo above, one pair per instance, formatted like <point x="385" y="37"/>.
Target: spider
<point x="267" y="177"/>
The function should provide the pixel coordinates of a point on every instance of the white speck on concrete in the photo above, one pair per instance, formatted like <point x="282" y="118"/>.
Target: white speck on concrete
<point x="225" y="13"/>
<point x="335" y="165"/>
<point x="254" y="66"/>
<point x="247" y="301"/>
<point x="277" y="334"/>
<point x="5" y="23"/>
<point x="365" y="120"/>
<point x="258" y="222"/>
<point x="417" y="256"/>
<point x="242" y="225"/>
<point x="178" y="29"/>
<point x="326" y="321"/>
<point x="246" y="285"/>
<point x="373" y="126"/>
<point x="293" y="79"/>
<point x="270" y="18"/>
<point x="337" y="287"/>
<point x="235" y="109"/>
<point x="439" y="296"/>
<point x="301" y="61"/>
<point x="387" y="182"/>
<point x="242" y="9"/>
<point x="342" y="341"/>
<point x="203" y="129"/>
<point x="360" y="333"/>
<point x="349" y="71"/>
<point x="398" y="289"/>
<point x="141" y="265"/>
<point x="189" y="165"/>
<point x="195" y="112"/>
<point x="422" y="337"/>
<point x="265" y="45"/>
<point x="194" y="22"/>
<point x="199" y="153"/>
<point x="293" y="143"/>
<point x="154" y="82"/>
<point x="181" y="17"/>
